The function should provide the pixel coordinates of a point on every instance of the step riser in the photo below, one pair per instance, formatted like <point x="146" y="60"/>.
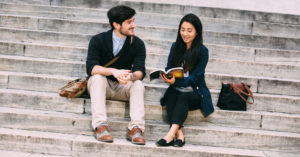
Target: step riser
<point x="271" y="122"/>
<point x="221" y="118"/>
<point x="43" y="67"/>
<point x="262" y="86"/>
<point x="215" y="51"/>
<point x="83" y="146"/>
<point x="279" y="30"/>
<point x="216" y="25"/>
<point x="154" y="132"/>
<point x="210" y="37"/>
<point x="153" y="94"/>
<point x="275" y="87"/>
<point x="78" y="69"/>
<point x="41" y="102"/>
<point x="35" y="145"/>
<point x="256" y="42"/>
<point x="153" y="112"/>
<point x="214" y="81"/>
<point x="235" y="67"/>
<point x="36" y="23"/>
<point x="43" y="51"/>
<point x="259" y="142"/>
<point x="22" y="154"/>
<point x="45" y="37"/>
<point x="253" y="69"/>
<point x="94" y="28"/>
<point x="36" y="83"/>
<point x="276" y="56"/>
<point x="175" y="9"/>
<point x="3" y="81"/>
<point x="274" y="104"/>
<point x="62" y="15"/>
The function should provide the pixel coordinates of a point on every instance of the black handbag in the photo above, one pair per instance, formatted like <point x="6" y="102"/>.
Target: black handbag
<point x="234" y="96"/>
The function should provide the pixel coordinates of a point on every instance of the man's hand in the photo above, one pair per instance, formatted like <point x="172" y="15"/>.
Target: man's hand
<point x="123" y="76"/>
<point x="170" y="81"/>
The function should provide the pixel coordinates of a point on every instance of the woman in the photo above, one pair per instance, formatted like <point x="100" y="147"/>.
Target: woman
<point x="191" y="92"/>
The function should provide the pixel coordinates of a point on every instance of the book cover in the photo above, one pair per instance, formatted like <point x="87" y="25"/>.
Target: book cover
<point x="177" y="71"/>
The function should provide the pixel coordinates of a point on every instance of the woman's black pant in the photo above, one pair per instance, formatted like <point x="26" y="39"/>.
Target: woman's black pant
<point x="179" y="103"/>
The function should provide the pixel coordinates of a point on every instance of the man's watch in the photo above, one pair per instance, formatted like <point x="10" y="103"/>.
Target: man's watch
<point x="132" y="77"/>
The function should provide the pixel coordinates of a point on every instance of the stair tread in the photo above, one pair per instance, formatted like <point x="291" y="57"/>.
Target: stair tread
<point x="226" y="133"/>
<point x="69" y="78"/>
<point x="123" y="142"/>
<point x="202" y="126"/>
<point x="78" y="139"/>
<point x="23" y="154"/>
<point x="63" y="61"/>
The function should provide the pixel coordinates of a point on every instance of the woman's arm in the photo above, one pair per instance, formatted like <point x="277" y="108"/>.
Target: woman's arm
<point x="197" y="74"/>
<point x="169" y="66"/>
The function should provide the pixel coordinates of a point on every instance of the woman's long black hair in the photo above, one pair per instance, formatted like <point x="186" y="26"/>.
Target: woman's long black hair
<point x="181" y="56"/>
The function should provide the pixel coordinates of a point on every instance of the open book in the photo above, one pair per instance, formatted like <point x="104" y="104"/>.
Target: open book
<point x="178" y="72"/>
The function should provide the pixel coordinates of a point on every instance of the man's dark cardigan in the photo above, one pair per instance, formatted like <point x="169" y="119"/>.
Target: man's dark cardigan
<point x="100" y="52"/>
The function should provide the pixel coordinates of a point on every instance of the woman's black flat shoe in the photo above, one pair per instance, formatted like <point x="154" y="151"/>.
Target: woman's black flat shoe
<point x="163" y="142"/>
<point x="179" y="143"/>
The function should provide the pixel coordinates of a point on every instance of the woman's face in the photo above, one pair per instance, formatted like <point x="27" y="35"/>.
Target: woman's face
<point x="188" y="33"/>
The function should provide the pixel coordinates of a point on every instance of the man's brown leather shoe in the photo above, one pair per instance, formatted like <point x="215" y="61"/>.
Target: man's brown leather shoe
<point x="135" y="136"/>
<point x="102" y="134"/>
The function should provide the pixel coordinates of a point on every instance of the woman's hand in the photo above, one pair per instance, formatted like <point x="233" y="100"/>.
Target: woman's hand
<point x="170" y="81"/>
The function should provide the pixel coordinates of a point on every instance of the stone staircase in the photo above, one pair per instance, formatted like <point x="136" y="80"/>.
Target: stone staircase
<point x="43" y="45"/>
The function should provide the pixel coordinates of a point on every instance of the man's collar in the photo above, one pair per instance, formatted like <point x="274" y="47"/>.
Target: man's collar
<point x="116" y="37"/>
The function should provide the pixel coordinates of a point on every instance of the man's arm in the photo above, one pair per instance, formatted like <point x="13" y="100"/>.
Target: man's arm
<point x="123" y="76"/>
<point x="93" y="65"/>
<point x="138" y="68"/>
<point x="97" y="69"/>
<point x="137" y="75"/>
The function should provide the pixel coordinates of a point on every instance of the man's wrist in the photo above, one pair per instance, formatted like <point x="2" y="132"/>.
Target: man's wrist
<point x="132" y="77"/>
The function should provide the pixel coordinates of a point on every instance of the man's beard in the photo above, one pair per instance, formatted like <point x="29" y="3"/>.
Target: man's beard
<point x="123" y="33"/>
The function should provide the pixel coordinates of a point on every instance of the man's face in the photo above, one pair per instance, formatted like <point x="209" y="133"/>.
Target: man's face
<point x="127" y="27"/>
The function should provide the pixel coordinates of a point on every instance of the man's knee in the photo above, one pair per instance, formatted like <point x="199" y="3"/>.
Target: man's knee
<point x="98" y="79"/>
<point x="138" y="85"/>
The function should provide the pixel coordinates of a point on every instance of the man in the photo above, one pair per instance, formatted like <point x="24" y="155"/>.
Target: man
<point x="122" y="79"/>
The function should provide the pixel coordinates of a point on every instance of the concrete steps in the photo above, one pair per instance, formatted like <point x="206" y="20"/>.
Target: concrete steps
<point x="153" y="34"/>
<point x="206" y="135"/>
<point x="65" y="69"/>
<point x="250" y="119"/>
<point x="51" y="83"/>
<point x="169" y="8"/>
<point x="80" y="146"/>
<point x="84" y="27"/>
<point x="53" y="51"/>
<point x="43" y="46"/>
<point x="77" y="68"/>
<point x="236" y="67"/>
<point x="143" y="18"/>
<point x="21" y="154"/>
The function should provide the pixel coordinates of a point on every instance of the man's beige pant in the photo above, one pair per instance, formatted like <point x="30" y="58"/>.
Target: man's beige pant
<point x="101" y="88"/>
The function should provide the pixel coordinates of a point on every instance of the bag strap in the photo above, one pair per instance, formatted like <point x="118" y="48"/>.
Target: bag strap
<point x="111" y="62"/>
<point x="240" y="91"/>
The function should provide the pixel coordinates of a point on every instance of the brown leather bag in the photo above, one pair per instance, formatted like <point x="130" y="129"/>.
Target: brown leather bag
<point x="75" y="88"/>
